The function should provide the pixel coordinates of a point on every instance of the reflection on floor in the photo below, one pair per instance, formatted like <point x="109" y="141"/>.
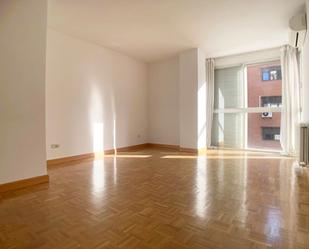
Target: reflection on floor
<point x="163" y="199"/>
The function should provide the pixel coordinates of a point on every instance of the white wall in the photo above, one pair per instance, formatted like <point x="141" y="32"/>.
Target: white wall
<point x="22" y="89"/>
<point x="88" y="88"/>
<point x="188" y="78"/>
<point x="163" y="93"/>
<point x="305" y="115"/>
<point x="177" y="100"/>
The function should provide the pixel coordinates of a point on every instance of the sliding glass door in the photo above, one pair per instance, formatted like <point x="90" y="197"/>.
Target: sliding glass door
<point x="248" y="107"/>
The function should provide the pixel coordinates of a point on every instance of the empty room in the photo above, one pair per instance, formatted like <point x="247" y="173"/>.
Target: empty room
<point x="154" y="124"/>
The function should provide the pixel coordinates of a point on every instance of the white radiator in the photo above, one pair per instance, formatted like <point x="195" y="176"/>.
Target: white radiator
<point x="304" y="145"/>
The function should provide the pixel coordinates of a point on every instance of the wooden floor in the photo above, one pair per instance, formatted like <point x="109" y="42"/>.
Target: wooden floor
<point x="163" y="199"/>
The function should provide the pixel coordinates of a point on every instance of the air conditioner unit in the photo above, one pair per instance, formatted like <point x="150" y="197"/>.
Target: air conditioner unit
<point x="277" y="137"/>
<point x="298" y="30"/>
<point x="267" y="115"/>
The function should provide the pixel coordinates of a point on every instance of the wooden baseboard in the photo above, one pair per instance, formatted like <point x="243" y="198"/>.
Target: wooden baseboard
<point x="189" y="150"/>
<point x="132" y="148"/>
<point x="123" y="149"/>
<point x="175" y="147"/>
<point x="164" y="146"/>
<point x="83" y="157"/>
<point x="70" y="159"/>
<point x="23" y="183"/>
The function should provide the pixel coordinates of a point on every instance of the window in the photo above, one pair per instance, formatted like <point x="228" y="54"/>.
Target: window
<point x="247" y="113"/>
<point x="271" y="101"/>
<point x="271" y="73"/>
<point x="271" y="133"/>
<point x="228" y="88"/>
<point x="227" y="128"/>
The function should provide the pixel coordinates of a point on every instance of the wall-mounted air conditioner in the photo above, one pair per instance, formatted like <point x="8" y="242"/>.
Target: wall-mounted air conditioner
<point x="298" y="30"/>
<point x="267" y="114"/>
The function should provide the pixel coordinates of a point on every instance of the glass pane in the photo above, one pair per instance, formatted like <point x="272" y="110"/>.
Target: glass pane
<point x="228" y="88"/>
<point x="264" y="85"/>
<point x="264" y="130"/>
<point x="228" y="130"/>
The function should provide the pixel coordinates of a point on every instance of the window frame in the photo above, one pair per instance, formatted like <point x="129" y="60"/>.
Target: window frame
<point x="264" y="96"/>
<point x="269" y="127"/>
<point x="269" y="70"/>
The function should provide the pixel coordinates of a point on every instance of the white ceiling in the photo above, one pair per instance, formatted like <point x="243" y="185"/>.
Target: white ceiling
<point x="151" y="30"/>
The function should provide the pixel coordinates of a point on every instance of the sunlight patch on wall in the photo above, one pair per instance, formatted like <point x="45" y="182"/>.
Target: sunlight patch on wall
<point x="98" y="138"/>
<point x="96" y="118"/>
<point x="202" y="116"/>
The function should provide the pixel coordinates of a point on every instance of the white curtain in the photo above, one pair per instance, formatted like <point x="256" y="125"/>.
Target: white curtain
<point x="210" y="75"/>
<point x="290" y="115"/>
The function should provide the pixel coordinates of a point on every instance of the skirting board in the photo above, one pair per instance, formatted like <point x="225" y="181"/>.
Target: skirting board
<point x="23" y="183"/>
<point x="164" y="146"/>
<point x="189" y="150"/>
<point x="65" y="160"/>
<point x="80" y="158"/>
<point x="174" y="147"/>
<point x="88" y="156"/>
<point x="133" y="148"/>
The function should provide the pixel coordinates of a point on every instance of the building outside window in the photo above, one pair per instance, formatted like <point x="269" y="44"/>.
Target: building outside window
<point x="265" y="92"/>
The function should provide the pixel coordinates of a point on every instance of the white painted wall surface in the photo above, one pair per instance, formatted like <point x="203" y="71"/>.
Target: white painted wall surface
<point x="188" y="87"/>
<point x="22" y="89"/>
<point x="95" y="98"/>
<point x="163" y="94"/>
<point x="305" y="114"/>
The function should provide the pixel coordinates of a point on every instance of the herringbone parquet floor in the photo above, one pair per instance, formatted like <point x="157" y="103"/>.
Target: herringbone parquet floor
<point x="163" y="199"/>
